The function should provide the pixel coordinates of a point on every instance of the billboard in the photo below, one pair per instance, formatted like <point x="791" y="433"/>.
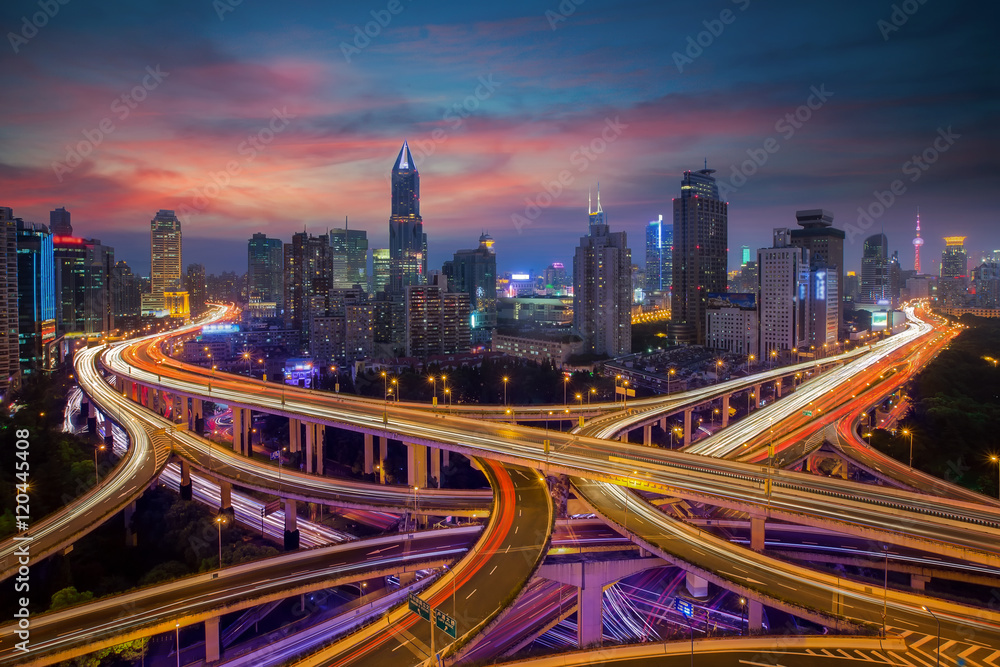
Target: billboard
<point x="732" y="300"/>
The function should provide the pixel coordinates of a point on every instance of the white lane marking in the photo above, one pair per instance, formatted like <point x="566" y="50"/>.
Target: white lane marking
<point x="471" y="594"/>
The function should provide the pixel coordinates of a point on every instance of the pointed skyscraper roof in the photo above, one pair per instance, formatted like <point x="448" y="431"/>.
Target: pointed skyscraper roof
<point x="405" y="161"/>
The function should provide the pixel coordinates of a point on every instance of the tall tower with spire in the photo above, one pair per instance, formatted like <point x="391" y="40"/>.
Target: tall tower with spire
<point x="407" y="241"/>
<point x="917" y="242"/>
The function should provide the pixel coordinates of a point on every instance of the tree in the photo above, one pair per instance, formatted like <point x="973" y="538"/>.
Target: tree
<point x="67" y="597"/>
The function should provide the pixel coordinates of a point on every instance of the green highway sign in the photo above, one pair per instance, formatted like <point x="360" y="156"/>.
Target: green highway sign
<point x="807" y="413"/>
<point x="421" y="608"/>
<point x="445" y="623"/>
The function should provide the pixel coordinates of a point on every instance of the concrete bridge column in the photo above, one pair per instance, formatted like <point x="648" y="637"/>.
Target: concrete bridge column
<point x="185" y="414"/>
<point x="291" y="526"/>
<point x="445" y="458"/>
<point x="319" y="435"/>
<point x="663" y="423"/>
<point x="697" y="586"/>
<point x="225" y="497"/>
<point x="294" y="434"/>
<point x="590" y="614"/>
<point x="369" y="453"/>
<point x="310" y="444"/>
<point x="416" y="465"/>
<point x="725" y="410"/>
<point x="186" y="488"/>
<point x="687" y="427"/>
<point x="918" y="582"/>
<point x="198" y="408"/>
<point x="435" y="454"/>
<point x="777" y="388"/>
<point x="90" y="410"/>
<point x="755" y="616"/>
<point x="212" y="644"/>
<point x="383" y="454"/>
<point x="130" y="537"/>
<point x="756" y="395"/>
<point x="624" y="436"/>
<point x="757" y="533"/>
<point x="237" y="430"/>
<point x="647" y="435"/>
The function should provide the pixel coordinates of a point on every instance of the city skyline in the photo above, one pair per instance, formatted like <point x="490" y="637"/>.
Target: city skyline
<point x="327" y="120"/>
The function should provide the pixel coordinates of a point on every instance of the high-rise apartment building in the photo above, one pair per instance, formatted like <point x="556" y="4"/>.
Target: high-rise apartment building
<point x="307" y="277"/>
<point x="826" y="254"/>
<point x="126" y="295"/>
<point x="196" y="285"/>
<point x="875" y="270"/>
<point x="59" y="223"/>
<point x="602" y="288"/>
<point x="344" y="333"/>
<point x="265" y="276"/>
<point x="9" y="353"/>
<point x="437" y="321"/>
<point x="953" y="286"/>
<point x="166" y="269"/>
<point x="659" y="256"/>
<point x="783" y="297"/>
<point x="474" y="273"/>
<point x="83" y="278"/>
<point x="700" y="256"/>
<point x="987" y="280"/>
<point x="381" y="270"/>
<point x="36" y="295"/>
<point x="407" y="241"/>
<point x="349" y="252"/>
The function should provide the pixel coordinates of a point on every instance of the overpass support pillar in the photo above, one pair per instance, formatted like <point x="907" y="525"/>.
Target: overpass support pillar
<point x="663" y="423"/>
<point x="291" y="526"/>
<point x="725" y="410"/>
<point x="130" y="537"/>
<point x="225" y="497"/>
<point x="687" y="427"/>
<point x="624" y="436"/>
<point x="369" y="453"/>
<point x="238" y="430"/>
<point x="185" y="414"/>
<point x="777" y="388"/>
<point x="445" y="458"/>
<point x="314" y="448"/>
<point x="198" y="408"/>
<point x="294" y="434"/>
<point x="436" y="465"/>
<point x="755" y="617"/>
<point x="590" y="616"/>
<point x="756" y="395"/>
<point x="212" y="643"/>
<point x="383" y="454"/>
<point x="319" y="437"/>
<point x="647" y="435"/>
<point x="697" y="586"/>
<point x="416" y="465"/>
<point x="186" y="488"/>
<point x="918" y="582"/>
<point x="757" y="533"/>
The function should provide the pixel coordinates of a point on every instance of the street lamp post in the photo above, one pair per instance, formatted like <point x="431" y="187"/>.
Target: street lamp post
<point x="177" y="637"/>
<point x="505" y="381"/>
<point x="743" y="614"/>
<point x="938" y="633"/>
<point x="718" y="371"/>
<point x="97" y="476"/>
<point x="672" y="372"/>
<point x="434" y="393"/>
<point x="219" y="520"/>
<point x="885" y="588"/>
<point x="996" y="459"/>
<point x="909" y="433"/>
<point x="565" y="385"/>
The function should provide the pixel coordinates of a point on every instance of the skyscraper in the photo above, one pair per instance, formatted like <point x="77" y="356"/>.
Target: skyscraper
<point x="952" y="287"/>
<point x="659" y="255"/>
<point x="407" y="241"/>
<point x="746" y="255"/>
<point x="83" y="270"/>
<point x="917" y="242"/>
<point x="265" y="275"/>
<point x="381" y="269"/>
<point x="165" y="259"/>
<point x="474" y="273"/>
<point x="196" y="287"/>
<point x="437" y="321"/>
<point x="875" y="270"/>
<point x="59" y="224"/>
<point x="307" y="278"/>
<point x="349" y="248"/>
<point x="826" y="255"/>
<point x="9" y="365"/>
<point x="602" y="288"/>
<point x="700" y="256"/>
<point x="36" y="295"/>
<point x="784" y="297"/>
<point x="126" y="295"/>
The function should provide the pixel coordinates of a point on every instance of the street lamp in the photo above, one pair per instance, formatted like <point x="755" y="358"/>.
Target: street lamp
<point x="395" y="385"/>
<point x="434" y="392"/>
<point x="579" y="397"/>
<point x="177" y="636"/>
<point x="938" y="633"/>
<point x="505" y="381"/>
<point x="743" y="614"/>
<point x="219" y="520"/>
<point x="592" y="392"/>
<point x="565" y="385"/>
<point x="909" y="433"/>
<point x="996" y="459"/>
<point x="670" y="374"/>
<point x="97" y="476"/>
<point x="869" y="436"/>
<point x="718" y="371"/>
<point x="885" y="589"/>
<point x="774" y="355"/>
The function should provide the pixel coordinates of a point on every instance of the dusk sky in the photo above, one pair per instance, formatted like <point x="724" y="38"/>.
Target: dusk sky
<point x="327" y="111"/>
